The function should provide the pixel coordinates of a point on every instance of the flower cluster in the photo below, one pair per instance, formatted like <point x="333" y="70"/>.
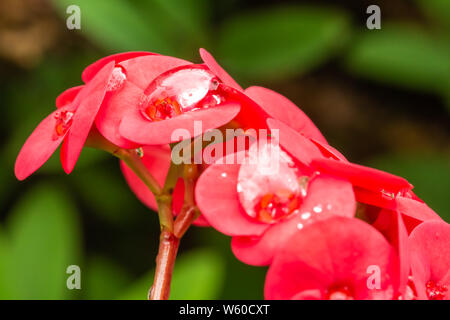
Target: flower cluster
<point x="327" y="228"/>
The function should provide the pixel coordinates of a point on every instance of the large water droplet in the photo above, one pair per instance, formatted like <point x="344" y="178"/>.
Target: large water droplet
<point x="117" y="79"/>
<point x="269" y="187"/>
<point x="63" y="123"/>
<point x="183" y="89"/>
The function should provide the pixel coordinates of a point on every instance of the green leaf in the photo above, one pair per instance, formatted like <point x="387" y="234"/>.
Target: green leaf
<point x="105" y="190"/>
<point x="430" y="175"/>
<point x="281" y="41"/>
<point x="118" y="25"/>
<point x="4" y="258"/>
<point x="44" y="236"/>
<point x="185" y="20"/>
<point x="198" y="275"/>
<point x="103" y="280"/>
<point x="403" y="56"/>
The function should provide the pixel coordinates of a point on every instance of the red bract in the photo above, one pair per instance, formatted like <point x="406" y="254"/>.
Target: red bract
<point x="429" y="254"/>
<point x="91" y="70"/>
<point x="212" y="64"/>
<point x="272" y="194"/>
<point x="157" y="160"/>
<point x="380" y="189"/>
<point x="71" y="123"/>
<point x="175" y="93"/>
<point x="280" y="108"/>
<point x="333" y="259"/>
<point x="414" y="210"/>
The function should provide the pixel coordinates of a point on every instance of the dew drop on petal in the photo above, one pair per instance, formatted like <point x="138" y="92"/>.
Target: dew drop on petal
<point x="317" y="209"/>
<point x="224" y="174"/>
<point x="179" y="90"/>
<point x="306" y="215"/>
<point x="300" y="226"/>
<point x="117" y="79"/>
<point x="269" y="187"/>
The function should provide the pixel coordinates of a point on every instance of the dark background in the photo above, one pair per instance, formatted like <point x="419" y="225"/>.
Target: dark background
<point x="380" y="96"/>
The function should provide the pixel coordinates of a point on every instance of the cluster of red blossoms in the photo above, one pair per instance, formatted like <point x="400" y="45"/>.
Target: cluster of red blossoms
<point x="328" y="228"/>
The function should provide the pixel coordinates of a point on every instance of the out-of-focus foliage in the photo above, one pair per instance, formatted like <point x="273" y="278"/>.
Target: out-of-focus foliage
<point x="437" y="9"/>
<point x="198" y="275"/>
<point x="42" y="239"/>
<point x="405" y="56"/>
<point x="281" y="41"/>
<point x="93" y="220"/>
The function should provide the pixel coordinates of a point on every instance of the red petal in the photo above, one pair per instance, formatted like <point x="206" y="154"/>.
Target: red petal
<point x="93" y="94"/>
<point x="113" y="110"/>
<point x="328" y="151"/>
<point x="362" y="176"/>
<point x="413" y="209"/>
<point x="293" y="142"/>
<point x="67" y="96"/>
<point x="329" y="195"/>
<point x="251" y="116"/>
<point x="429" y="246"/>
<point x="402" y="249"/>
<point x="216" y="196"/>
<point x="142" y="70"/>
<point x="142" y="131"/>
<point x="212" y="64"/>
<point x="337" y="251"/>
<point x="93" y="68"/>
<point x="39" y="146"/>
<point x="281" y="108"/>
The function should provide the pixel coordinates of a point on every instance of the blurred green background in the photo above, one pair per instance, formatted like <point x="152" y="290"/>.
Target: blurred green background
<point x="380" y="96"/>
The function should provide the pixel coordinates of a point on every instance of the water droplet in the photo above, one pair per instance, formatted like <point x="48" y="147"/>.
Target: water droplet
<point x="182" y="89"/>
<point x="300" y="226"/>
<point x="117" y="79"/>
<point x="63" y="123"/>
<point x="306" y="215"/>
<point x="269" y="187"/>
<point x="317" y="209"/>
<point x="224" y="174"/>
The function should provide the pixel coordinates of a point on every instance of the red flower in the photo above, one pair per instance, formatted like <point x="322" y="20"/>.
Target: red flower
<point x="429" y="255"/>
<point x="261" y="207"/>
<point x="70" y="124"/>
<point x="333" y="259"/>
